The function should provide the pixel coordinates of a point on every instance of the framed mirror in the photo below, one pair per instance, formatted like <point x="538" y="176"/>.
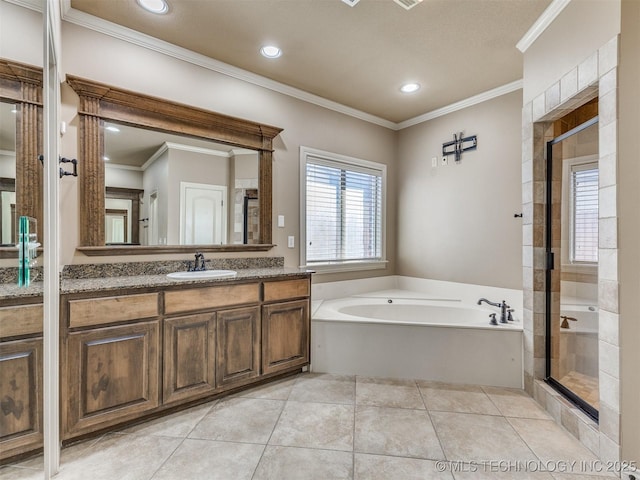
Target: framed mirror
<point x="21" y="172"/>
<point x="186" y="172"/>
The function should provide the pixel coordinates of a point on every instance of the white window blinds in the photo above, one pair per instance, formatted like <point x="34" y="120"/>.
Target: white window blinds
<point x="343" y="211"/>
<point x="584" y="197"/>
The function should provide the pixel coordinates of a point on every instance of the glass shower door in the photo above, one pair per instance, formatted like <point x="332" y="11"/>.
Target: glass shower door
<point x="572" y="276"/>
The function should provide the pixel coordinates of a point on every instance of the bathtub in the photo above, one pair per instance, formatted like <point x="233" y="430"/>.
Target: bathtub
<point x="579" y="342"/>
<point x="434" y="334"/>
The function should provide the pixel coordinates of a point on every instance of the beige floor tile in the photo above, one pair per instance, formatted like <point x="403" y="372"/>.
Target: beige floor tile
<point x="176" y="425"/>
<point x="211" y="460"/>
<point x="119" y="456"/>
<point x="18" y="473"/>
<point x="315" y="425"/>
<point x="456" y="398"/>
<point x="324" y="388"/>
<point x="468" y="437"/>
<point x="580" y="476"/>
<point x="515" y="403"/>
<point x="293" y="463"/>
<point x="551" y="443"/>
<point x="380" y="467"/>
<point x="384" y="392"/>
<point x="496" y="471"/>
<point x="277" y="390"/>
<point x="240" y="420"/>
<point x="396" y="431"/>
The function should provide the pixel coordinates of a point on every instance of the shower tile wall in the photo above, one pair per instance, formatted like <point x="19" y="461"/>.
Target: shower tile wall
<point x="595" y="76"/>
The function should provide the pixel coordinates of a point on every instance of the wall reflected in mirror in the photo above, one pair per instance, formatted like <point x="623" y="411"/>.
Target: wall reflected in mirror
<point x="167" y="189"/>
<point x="8" y="114"/>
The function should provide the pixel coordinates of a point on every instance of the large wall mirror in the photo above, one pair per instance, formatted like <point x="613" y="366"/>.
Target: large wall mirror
<point x="156" y="176"/>
<point x="20" y="145"/>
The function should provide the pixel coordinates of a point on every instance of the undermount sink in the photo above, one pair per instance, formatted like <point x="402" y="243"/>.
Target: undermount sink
<point x="202" y="274"/>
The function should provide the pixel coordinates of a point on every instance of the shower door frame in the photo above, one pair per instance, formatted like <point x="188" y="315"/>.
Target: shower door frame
<point x="566" y="392"/>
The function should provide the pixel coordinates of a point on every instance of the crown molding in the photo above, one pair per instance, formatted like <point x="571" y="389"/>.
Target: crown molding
<point x="99" y="25"/>
<point x="36" y="5"/>
<point x="541" y="24"/>
<point x="462" y="104"/>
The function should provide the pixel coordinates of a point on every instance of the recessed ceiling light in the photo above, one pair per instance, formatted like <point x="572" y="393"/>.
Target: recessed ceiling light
<point x="105" y="158"/>
<point x="154" y="6"/>
<point x="270" y="51"/>
<point x="113" y="129"/>
<point x="410" y="87"/>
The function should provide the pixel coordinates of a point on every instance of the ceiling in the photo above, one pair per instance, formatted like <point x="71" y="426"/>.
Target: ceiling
<point x="356" y="56"/>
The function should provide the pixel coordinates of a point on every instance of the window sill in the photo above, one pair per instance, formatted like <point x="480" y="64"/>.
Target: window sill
<point x="338" y="267"/>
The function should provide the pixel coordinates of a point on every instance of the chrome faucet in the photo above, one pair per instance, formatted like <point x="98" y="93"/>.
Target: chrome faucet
<point x="198" y="264"/>
<point x="505" y="311"/>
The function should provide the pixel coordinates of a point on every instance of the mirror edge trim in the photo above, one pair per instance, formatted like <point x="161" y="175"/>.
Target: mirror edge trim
<point x="115" y="250"/>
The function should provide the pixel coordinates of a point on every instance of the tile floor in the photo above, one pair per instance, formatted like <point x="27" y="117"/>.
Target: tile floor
<point x="319" y="426"/>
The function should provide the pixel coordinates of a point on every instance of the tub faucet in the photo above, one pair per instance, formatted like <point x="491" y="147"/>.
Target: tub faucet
<point x="504" y="308"/>
<point x="198" y="264"/>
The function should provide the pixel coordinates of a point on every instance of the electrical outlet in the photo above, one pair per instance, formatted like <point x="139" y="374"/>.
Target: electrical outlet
<point x="444" y="162"/>
<point x="434" y="162"/>
<point x="291" y="241"/>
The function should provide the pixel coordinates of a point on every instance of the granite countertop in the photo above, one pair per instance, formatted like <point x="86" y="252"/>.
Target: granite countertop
<point x="105" y="284"/>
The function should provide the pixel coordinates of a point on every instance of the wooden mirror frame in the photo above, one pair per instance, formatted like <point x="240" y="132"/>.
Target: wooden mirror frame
<point x="99" y="103"/>
<point x="22" y="84"/>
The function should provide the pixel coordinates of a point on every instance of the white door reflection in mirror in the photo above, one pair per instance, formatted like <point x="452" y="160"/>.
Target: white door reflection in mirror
<point x="203" y="219"/>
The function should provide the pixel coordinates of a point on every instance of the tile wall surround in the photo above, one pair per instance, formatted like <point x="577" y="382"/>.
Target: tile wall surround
<point x="595" y="76"/>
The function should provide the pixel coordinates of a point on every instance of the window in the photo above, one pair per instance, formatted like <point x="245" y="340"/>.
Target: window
<point x="584" y="213"/>
<point x="343" y="211"/>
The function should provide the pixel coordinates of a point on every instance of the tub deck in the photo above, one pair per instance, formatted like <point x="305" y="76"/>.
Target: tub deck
<point x="456" y="344"/>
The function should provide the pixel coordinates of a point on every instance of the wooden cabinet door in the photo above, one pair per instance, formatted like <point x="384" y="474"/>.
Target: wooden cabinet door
<point x="189" y="356"/>
<point x="20" y="396"/>
<point x="111" y="375"/>
<point x="238" y="342"/>
<point x="285" y="335"/>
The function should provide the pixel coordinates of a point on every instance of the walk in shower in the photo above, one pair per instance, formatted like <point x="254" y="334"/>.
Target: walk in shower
<point x="572" y="259"/>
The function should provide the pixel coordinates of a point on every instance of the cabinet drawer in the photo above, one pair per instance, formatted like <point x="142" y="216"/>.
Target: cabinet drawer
<point x="283" y="290"/>
<point x="98" y="311"/>
<point x="21" y="320"/>
<point x="211" y="297"/>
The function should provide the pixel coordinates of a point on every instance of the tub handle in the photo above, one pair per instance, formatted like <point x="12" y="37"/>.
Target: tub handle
<point x="565" y="324"/>
<point x="493" y="321"/>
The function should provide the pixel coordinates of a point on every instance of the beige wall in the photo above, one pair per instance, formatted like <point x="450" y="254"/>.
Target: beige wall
<point x="92" y="55"/>
<point x="456" y="222"/>
<point x="629" y="228"/>
<point x="17" y="29"/>
<point x="580" y="29"/>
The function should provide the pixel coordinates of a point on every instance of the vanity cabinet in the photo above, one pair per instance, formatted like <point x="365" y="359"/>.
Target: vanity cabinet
<point x="110" y="361"/>
<point x="238" y="359"/>
<point x="189" y="360"/>
<point x="130" y="355"/>
<point x="285" y="325"/>
<point x="20" y="379"/>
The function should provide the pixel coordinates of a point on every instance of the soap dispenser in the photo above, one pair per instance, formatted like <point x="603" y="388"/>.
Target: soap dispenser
<point x="27" y="249"/>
